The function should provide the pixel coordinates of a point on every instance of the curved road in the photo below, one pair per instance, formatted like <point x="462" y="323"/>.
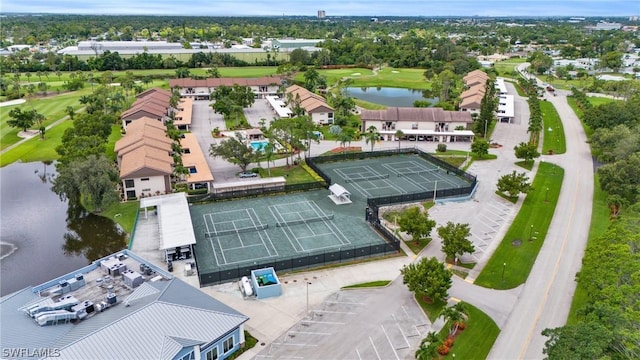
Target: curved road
<point x="546" y="296"/>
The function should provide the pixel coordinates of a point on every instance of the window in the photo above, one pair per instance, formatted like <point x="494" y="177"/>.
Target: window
<point x="414" y="126"/>
<point x="148" y="189"/>
<point x="144" y="179"/>
<point x="227" y="345"/>
<point x="330" y="115"/>
<point x="192" y="170"/>
<point x="186" y="151"/>
<point x="212" y="354"/>
<point x="131" y="194"/>
<point x="189" y="356"/>
<point x="128" y="183"/>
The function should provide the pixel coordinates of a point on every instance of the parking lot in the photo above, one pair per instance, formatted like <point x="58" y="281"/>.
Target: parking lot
<point x="259" y="110"/>
<point x="378" y="326"/>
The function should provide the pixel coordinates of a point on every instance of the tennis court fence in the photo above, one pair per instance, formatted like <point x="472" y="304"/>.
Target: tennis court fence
<point x="340" y="255"/>
<point x="255" y="192"/>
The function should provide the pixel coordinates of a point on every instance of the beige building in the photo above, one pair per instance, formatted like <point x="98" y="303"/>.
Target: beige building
<point x="202" y="89"/>
<point x="314" y="105"/>
<point x="152" y="103"/>
<point x="194" y="161"/>
<point x="419" y="124"/>
<point x="471" y="99"/>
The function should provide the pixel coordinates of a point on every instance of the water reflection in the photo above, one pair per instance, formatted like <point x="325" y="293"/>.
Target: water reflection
<point x="389" y="96"/>
<point x="49" y="237"/>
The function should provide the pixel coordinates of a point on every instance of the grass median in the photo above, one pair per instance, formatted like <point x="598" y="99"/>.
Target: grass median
<point x="513" y="259"/>
<point x="554" y="139"/>
<point x="476" y="340"/>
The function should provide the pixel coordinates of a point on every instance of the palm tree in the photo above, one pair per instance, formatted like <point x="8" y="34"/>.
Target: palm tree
<point x="454" y="315"/>
<point x="372" y="135"/>
<point x="345" y="138"/>
<point x="213" y="72"/>
<point x="399" y="135"/>
<point x="70" y="111"/>
<point x="269" y="152"/>
<point x="428" y="349"/>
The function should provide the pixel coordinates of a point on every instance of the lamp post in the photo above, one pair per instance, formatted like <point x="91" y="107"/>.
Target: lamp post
<point x="546" y="196"/>
<point x="435" y="189"/>
<point x="531" y="232"/>
<point x="504" y="265"/>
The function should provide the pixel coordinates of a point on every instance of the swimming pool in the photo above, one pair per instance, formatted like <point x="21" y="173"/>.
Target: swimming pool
<point x="259" y="145"/>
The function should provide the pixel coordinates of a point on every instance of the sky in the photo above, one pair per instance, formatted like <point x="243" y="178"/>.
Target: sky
<point x="600" y="8"/>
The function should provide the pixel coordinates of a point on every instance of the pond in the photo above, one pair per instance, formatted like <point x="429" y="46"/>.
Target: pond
<point x="389" y="96"/>
<point x="42" y="236"/>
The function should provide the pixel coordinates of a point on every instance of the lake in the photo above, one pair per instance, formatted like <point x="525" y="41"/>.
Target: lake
<point x="43" y="236"/>
<point x="388" y="96"/>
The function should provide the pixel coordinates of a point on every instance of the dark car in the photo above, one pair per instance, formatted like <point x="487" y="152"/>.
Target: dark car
<point x="247" y="174"/>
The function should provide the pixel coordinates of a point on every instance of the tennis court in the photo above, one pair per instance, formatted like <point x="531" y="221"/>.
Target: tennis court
<point x="391" y="175"/>
<point x="258" y="230"/>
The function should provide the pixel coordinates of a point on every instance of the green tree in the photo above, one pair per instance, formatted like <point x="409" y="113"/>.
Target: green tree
<point x="540" y="62"/>
<point x="580" y="341"/>
<point x="514" y="184"/>
<point x="428" y="349"/>
<point x="92" y="179"/>
<point x="611" y="60"/>
<point x="235" y="151"/>
<point x="213" y="72"/>
<point x="454" y="315"/>
<point x="399" y="134"/>
<point x="182" y="73"/>
<point x="70" y="111"/>
<point x="22" y="119"/>
<point x="345" y="137"/>
<point x="526" y="151"/>
<point x="372" y="136"/>
<point x="269" y="152"/>
<point x="429" y="278"/>
<point x="415" y="223"/>
<point x="480" y="147"/>
<point x="455" y="240"/>
<point x="622" y="178"/>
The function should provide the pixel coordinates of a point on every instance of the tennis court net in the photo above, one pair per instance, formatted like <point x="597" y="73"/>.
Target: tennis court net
<point x="236" y="231"/>
<point x="418" y="172"/>
<point x="304" y="221"/>
<point x="365" y="178"/>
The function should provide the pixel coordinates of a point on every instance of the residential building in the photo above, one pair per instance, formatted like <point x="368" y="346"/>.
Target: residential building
<point x="152" y="103"/>
<point x="199" y="176"/>
<point x="202" y="89"/>
<point x="118" y="307"/>
<point x="321" y="14"/>
<point x="428" y="124"/>
<point x="182" y="115"/>
<point x="145" y="159"/>
<point x="314" y="105"/>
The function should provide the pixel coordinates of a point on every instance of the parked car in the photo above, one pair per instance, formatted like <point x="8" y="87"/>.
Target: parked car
<point x="247" y="174"/>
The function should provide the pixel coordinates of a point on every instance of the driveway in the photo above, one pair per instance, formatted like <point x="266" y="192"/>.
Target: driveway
<point x="258" y="111"/>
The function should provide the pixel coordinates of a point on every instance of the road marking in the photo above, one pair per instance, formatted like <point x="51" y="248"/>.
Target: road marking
<point x="358" y="353"/>
<point x="308" y="332"/>
<point x="555" y="271"/>
<point x="390" y="343"/>
<point x="335" y="312"/>
<point x="374" y="348"/>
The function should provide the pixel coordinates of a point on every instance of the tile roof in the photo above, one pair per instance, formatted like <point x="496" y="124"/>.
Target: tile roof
<point x="309" y="101"/>
<point x="226" y="81"/>
<point x="153" y="91"/>
<point x="476" y="73"/>
<point x="195" y="158"/>
<point x="147" y="107"/>
<point x="145" y="161"/>
<point x="185" y="111"/>
<point x="472" y="101"/>
<point x="415" y="114"/>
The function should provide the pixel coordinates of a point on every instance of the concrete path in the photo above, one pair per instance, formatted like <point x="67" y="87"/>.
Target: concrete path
<point x="48" y="127"/>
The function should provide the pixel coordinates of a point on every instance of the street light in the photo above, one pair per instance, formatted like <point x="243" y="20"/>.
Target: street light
<point x="546" y="196"/>
<point x="531" y="232"/>
<point x="504" y="265"/>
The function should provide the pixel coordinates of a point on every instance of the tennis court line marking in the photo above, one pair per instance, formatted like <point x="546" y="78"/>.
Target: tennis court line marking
<point x="284" y="229"/>
<point x="317" y="209"/>
<point x="244" y="247"/>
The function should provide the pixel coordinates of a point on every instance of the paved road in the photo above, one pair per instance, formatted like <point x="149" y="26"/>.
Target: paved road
<point x="546" y="297"/>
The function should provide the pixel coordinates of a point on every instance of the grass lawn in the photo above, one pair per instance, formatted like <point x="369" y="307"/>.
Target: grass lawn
<point x="370" y="284"/>
<point x="386" y="77"/>
<point x="507" y="67"/>
<point x="417" y="247"/>
<point x="525" y="164"/>
<point x="293" y="174"/>
<point x="249" y="343"/>
<point x="476" y="340"/>
<point x="453" y="160"/>
<point x="369" y="105"/>
<point x="111" y="141"/>
<point x="334" y="75"/>
<point x="432" y="310"/>
<point x="53" y="108"/>
<point x="554" y="139"/>
<point x="532" y="221"/>
<point x="507" y="197"/>
<point x="35" y="149"/>
<point x="127" y="214"/>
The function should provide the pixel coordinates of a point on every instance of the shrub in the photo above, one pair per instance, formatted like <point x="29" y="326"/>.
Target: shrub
<point x="448" y="342"/>
<point x="443" y="349"/>
<point x="441" y="148"/>
<point x="461" y="325"/>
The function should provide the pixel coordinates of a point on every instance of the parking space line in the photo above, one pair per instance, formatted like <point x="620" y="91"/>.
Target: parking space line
<point x="324" y="322"/>
<point x="401" y="332"/>
<point x="309" y="332"/>
<point x="393" y="348"/>
<point x="374" y="348"/>
<point x="358" y="353"/>
<point x="335" y="312"/>
<point x="344" y="302"/>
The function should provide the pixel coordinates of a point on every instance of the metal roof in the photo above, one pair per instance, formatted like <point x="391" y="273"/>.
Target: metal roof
<point x="174" y="218"/>
<point x="156" y="321"/>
